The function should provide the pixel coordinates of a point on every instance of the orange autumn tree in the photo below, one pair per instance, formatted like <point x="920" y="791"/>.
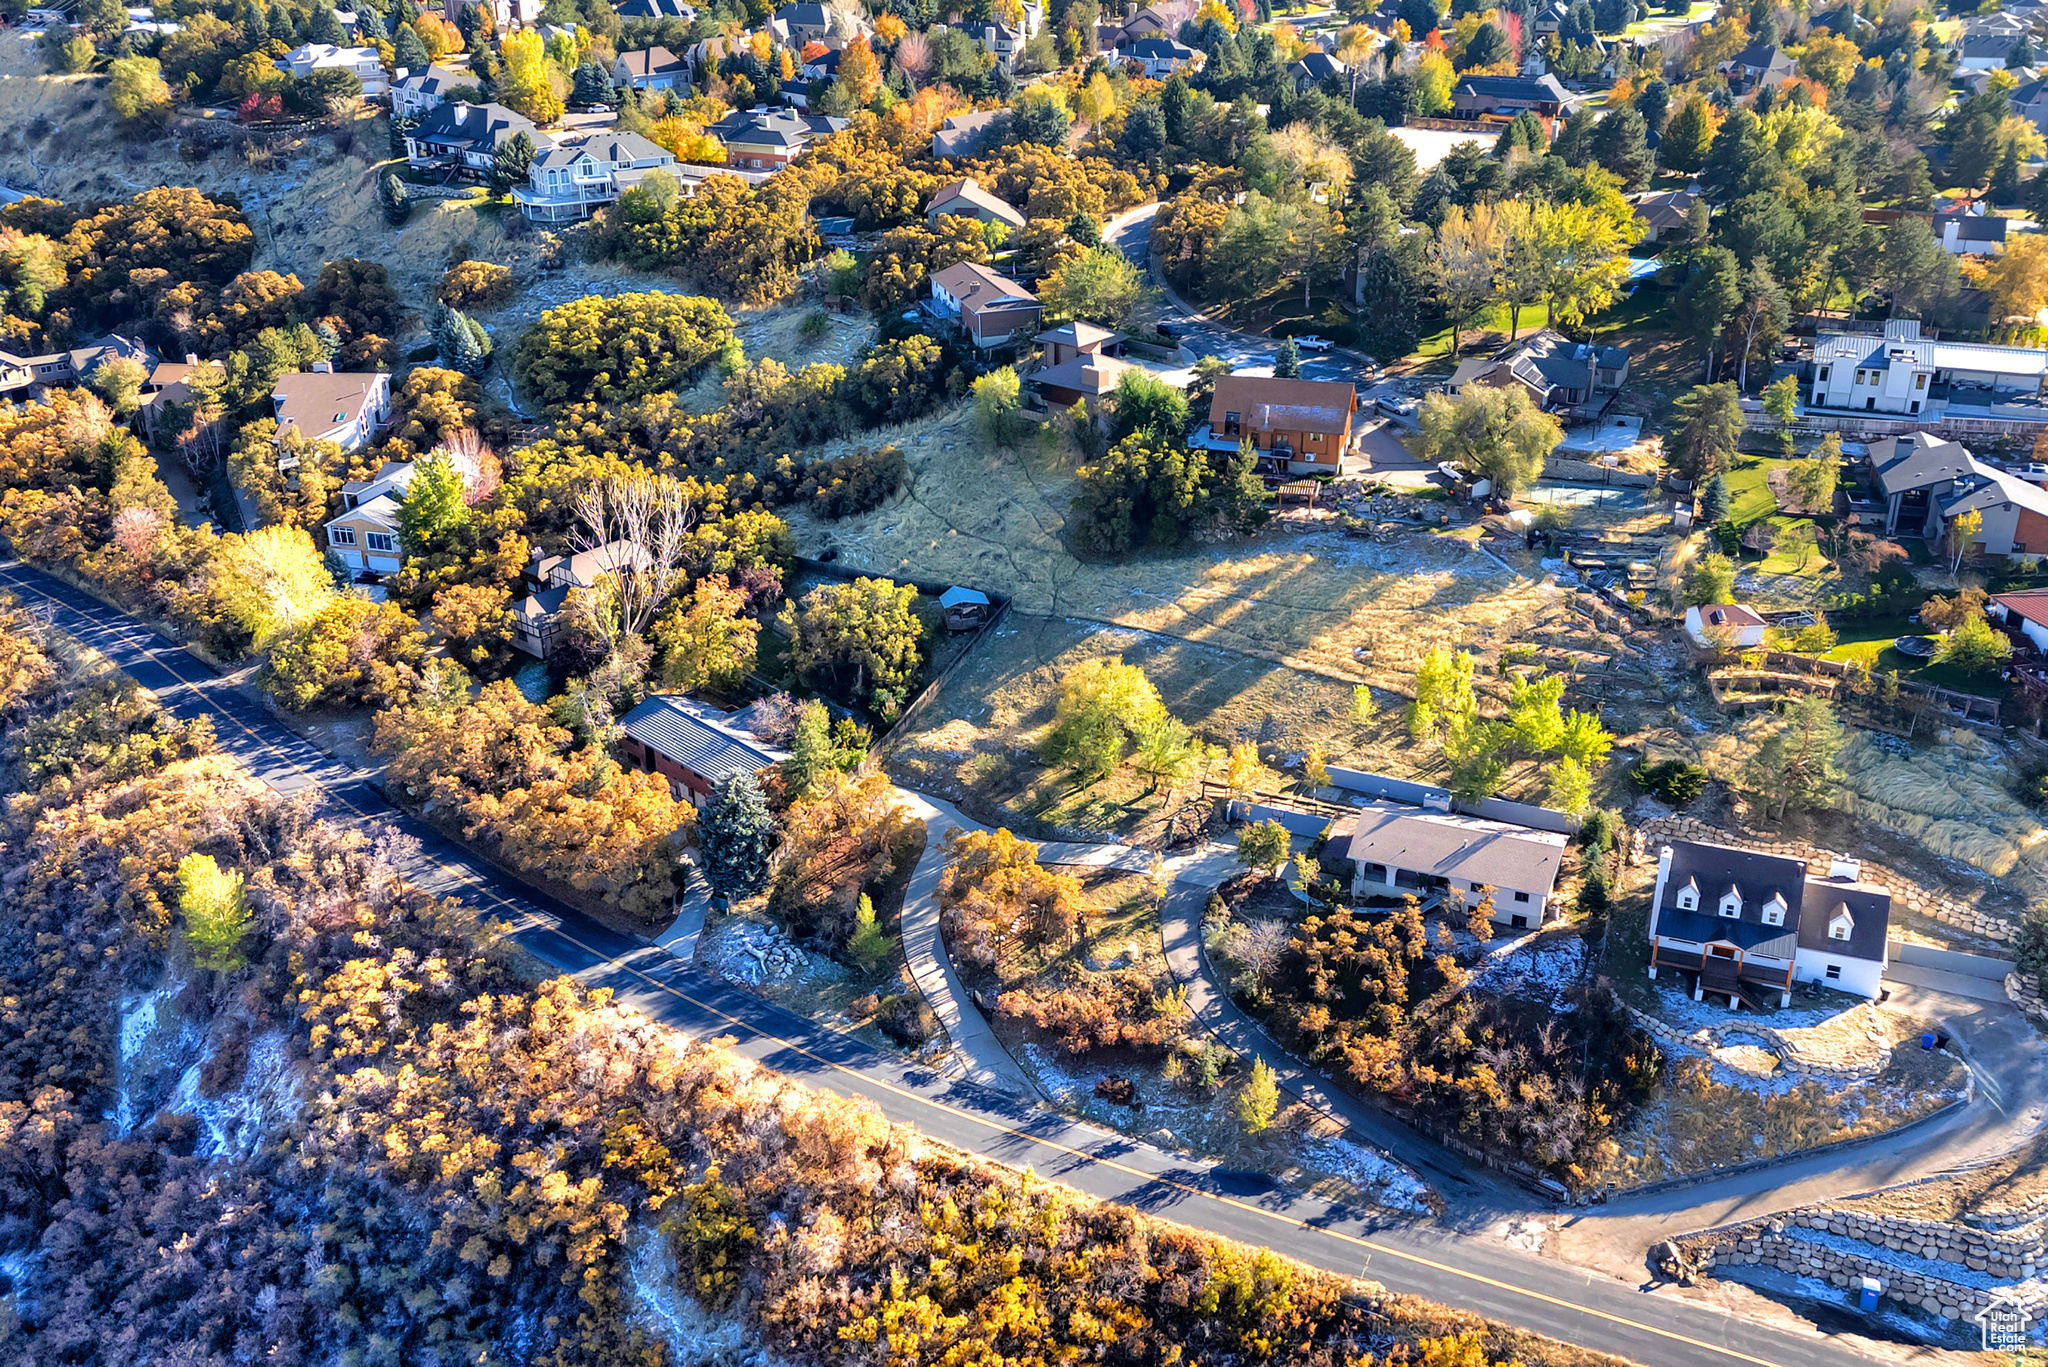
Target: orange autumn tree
<point x="859" y="72"/>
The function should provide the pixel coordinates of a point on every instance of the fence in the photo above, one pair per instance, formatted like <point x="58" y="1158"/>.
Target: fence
<point x="1962" y="707"/>
<point x="1588" y="472"/>
<point x="1423" y="794"/>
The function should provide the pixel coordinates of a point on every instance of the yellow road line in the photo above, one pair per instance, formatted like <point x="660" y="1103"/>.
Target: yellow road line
<point x="994" y="1126"/>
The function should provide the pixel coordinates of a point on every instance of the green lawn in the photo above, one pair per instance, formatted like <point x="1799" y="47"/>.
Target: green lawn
<point x="1437" y="346"/>
<point x="1870" y="640"/>
<point x="1750" y="501"/>
<point x="1664" y="21"/>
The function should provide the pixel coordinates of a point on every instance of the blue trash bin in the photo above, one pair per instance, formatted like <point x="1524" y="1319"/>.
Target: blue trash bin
<point x="1927" y="1040"/>
<point x="1867" y="1296"/>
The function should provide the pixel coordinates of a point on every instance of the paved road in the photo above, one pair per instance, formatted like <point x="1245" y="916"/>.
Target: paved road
<point x="1663" y="1327"/>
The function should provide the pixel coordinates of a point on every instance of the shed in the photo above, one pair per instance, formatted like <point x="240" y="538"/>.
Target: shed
<point x="965" y="609"/>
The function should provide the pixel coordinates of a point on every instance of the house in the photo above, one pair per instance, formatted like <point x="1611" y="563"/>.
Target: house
<point x="361" y="62"/>
<point x="966" y="199"/>
<point x="1663" y="212"/>
<point x="1150" y="22"/>
<point x="965" y="609"/>
<point x="1314" y="68"/>
<point x="1298" y="426"/>
<point x="1970" y="234"/>
<point x="705" y="55"/>
<point x="415" y="94"/>
<point x="1079" y="365"/>
<point x="769" y="139"/>
<point x="1926" y="482"/>
<point x="1902" y="374"/>
<point x="1725" y="626"/>
<point x="1550" y="20"/>
<point x="1759" y="65"/>
<point x="1476" y="95"/>
<point x="991" y="309"/>
<point x="999" y="40"/>
<point x="77" y="364"/>
<point x="1159" y="58"/>
<point x="466" y="138"/>
<point x="656" y="9"/>
<point x="578" y="175"/>
<point x="803" y="23"/>
<point x="364" y="534"/>
<point x="823" y="67"/>
<point x="169" y="389"/>
<point x="1906" y="470"/>
<point x="2014" y="513"/>
<point x="536" y="618"/>
<point x="650" y="68"/>
<point x="505" y="14"/>
<point x="1747" y="925"/>
<point x="2029" y="100"/>
<point x="1986" y="51"/>
<point x="690" y="745"/>
<point x="1396" y="849"/>
<point x="1579" y="379"/>
<point x="2029" y="609"/>
<point x="962" y="135"/>
<point x="344" y="407"/>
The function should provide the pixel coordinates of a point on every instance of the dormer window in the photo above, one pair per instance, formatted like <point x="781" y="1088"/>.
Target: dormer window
<point x="1774" y="910"/>
<point x="1689" y="897"/>
<point x="1842" y="924"/>
<point x="1731" y="903"/>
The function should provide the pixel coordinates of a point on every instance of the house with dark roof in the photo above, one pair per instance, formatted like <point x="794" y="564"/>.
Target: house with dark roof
<point x="536" y="618"/>
<point x="1160" y="58"/>
<point x="1396" y="849"/>
<point x="1905" y="470"/>
<point x="992" y="309"/>
<point x="962" y="135"/>
<point x="1298" y="426"/>
<point x="1663" y="212"/>
<point x="1476" y="95"/>
<point x="2030" y="101"/>
<point x="1986" y="51"/>
<point x="966" y="199"/>
<point x="1746" y="925"/>
<point x="1079" y="364"/>
<point x="76" y="364"/>
<point x="655" y="9"/>
<point x="691" y="745"/>
<point x="650" y="68"/>
<point x="417" y="93"/>
<point x="1759" y="65"/>
<point x="466" y="138"/>
<point x="1966" y="234"/>
<point x="1579" y="379"/>
<point x="769" y="139"/>
<point x="1314" y="68"/>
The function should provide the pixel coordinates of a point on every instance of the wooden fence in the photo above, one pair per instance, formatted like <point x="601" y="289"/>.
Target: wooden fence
<point x="1968" y="708"/>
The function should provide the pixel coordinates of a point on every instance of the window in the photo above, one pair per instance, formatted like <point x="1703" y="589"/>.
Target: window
<point x="1869" y="405"/>
<point x="1774" y="912"/>
<point x="1822" y="378"/>
<point x="1859" y="376"/>
<point x="1688" y="898"/>
<point x="1521" y="897"/>
<point x="1834" y="972"/>
<point x="383" y="541"/>
<point x="1839" y="928"/>
<point x="1231" y="423"/>
<point x="341" y="536"/>
<point x="1920" y="381"/>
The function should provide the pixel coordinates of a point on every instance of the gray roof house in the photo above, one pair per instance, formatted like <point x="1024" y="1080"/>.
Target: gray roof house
<point x="650" y="68"/>
<point x="1396" y="849"/>
<point x="573" y="178"/>
<point x="466" y="137"/>
<point x="1578" y="378"/>
<point x="1900" y="374"/>
<point x="962" y="134"/>
<point x="1760" y="64"/>
<point x="414" y="93"/>
<point x="1314" y="68"/>
<point x="1745" y="924"/>
<point x="1476" y="95"/>
<point x="691" y="745"/>
<point x="1968" y="234"/>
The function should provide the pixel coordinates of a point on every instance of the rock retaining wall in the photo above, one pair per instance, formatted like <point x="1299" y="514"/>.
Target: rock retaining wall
<point x="1936" y="1296"/>
<point x="1793" y="1057"/>
<point x="1905" y="892"/>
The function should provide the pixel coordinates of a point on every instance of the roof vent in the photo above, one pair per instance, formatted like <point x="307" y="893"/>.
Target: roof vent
<point x="323" y="367"/>
<point x="1842" y="869"/>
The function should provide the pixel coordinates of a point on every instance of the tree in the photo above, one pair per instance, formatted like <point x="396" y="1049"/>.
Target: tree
<point x="1467" y="250"/>
<point x="1041" y="118"/>
<point x="2017" y="279"/>
<point x="271" y="580"/>
<point x="859" y="74"/>
<point x="1263" y="845"/>
<point x="216" y="912"/>
<point x="638" y="525"/>
<point x="1975" y="647"/>
<point x="998" y="397"/>
<point x="1103" y="703"/>
<point x="1710" y="299"/>
<point x="325" y="27"/>
<point x="1795" y="764"/>
<point x="408" y="52"/>
<point x="351" y="653"/>
<point x="736" y="834"/>
<point x="136" y="87"/>
<point x="394" y="198"/>
<point x="1259" y="1099"/>
<point x="1714" y="500"/>
<point x="869" y="944"/>
<point x="810" y="759"/>
<point x="119" y="380"/>
<point x="1620" y="143"/>
<point x="609" y="350"/>
<point x="1287" y="360"/>
<point x="1963" y="528"/>
<point x="1443" y="691"/>
<point x="1711" y="424"/>
<point x="865" y="635"/>
<point x="434" y="507"/>
<point x="513" y="162"/>
<point x="1687" y="136"/>
<point x="1914" y="271"/>
<point x="593" y="85"/>
<point x="1571" y="787"/>
<point x="1712" y="581"/>
<point x="1499" y="434"/>
<point x="525" y="86"/>
<point x="1781" y="403"/>
<point x="1812" y="481"/>
<point x="1102" y="286"/>
<point x="1763" y="311"/>
<point x="1241" y="770"/>
<point x="711" y="643"/>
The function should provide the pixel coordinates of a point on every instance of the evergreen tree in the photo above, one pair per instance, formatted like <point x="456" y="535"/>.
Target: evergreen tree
<point x="1620" y="143"/>
<point x="279" y="24"/>
<point x="736" y="833"/>
<point x="2037" y="197"/>
<point x="255" y="27"/>
<point x="325" y="27"/>
<point x="433" y="507"/>
<point x="1524" y="133"/>
<point x="391" y="193"/>
<point x="869" y="943"/>
<point x="216" y="912"/>
<point x="1394" y="285"/>
<point x="810" y="752"/>
<point x="469" y="346"/>
<point x="1714" y="500"/>
<point x="2005" y="181"/>
<point x="409" y="52"/>
<point x="513" y="162"/>
<point x="593" y="85"/>
<point x="1686" y="137"/>
<point x="1287" y="361"/>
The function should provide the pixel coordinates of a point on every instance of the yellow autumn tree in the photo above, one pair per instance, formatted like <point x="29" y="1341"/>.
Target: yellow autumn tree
<point x="859" y="72"/>
<point x="526" y="86"/>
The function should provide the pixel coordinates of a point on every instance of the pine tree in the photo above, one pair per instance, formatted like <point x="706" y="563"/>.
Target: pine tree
<point x="513" y="162"/>
<point x="1714" y="501"/>
<point x="391" y="193"/>
<point x="869" y="943"/>
<point x="280" y="24"/>
<point x="255" y="27"/>
<point x="216" y="912"/>
<point x="736" y="833"/>
<point x="1287" y="361"/>
<point x="2005" y="181"/>
<point x="325" y="27"/>
<point x="810" y="752"/>
<point x="463" y="343"/>
<point x="1259" y="1100"/>
<point x="409" y="52"/>
<point x="593" y="85"/>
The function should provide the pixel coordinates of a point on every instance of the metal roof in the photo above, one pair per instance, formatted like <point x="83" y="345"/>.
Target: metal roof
<point x="664" y="725"/>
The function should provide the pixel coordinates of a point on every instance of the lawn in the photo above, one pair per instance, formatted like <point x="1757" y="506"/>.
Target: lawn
<point x="1750" y="501"/>
<point x="1484" y="335"/>
<point x="1870" y="640"/>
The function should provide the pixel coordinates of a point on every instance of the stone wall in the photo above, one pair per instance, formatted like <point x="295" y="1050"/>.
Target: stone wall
<point x="1788" y="1244"/>
<point x="1906" y="894"/>
<point x="1794" y="1055"/>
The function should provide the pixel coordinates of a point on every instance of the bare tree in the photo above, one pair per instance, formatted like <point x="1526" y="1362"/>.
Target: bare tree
<point x="638" y="528"/>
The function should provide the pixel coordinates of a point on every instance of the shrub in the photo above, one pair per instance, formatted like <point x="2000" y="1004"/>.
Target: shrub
<point x="848" y="485"/>
<point x="1673" y="781"/>
<point x="475" y="285"/>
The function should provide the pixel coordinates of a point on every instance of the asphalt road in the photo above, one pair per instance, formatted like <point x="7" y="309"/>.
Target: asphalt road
<point x="1474" y="1272"/>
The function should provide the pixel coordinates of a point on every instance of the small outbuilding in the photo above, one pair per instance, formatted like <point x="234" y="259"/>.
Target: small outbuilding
<point x="1724" y="626"/>
<point x="966" y="609"/>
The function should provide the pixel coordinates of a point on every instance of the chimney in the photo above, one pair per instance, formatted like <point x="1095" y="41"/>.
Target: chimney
<point x="1842" y="869"/>
<point x="191" y="358"/>
<point x="323" y="367"/>
<point x="1265" y="416"/>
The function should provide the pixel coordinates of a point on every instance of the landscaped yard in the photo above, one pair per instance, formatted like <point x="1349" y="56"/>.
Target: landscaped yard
<point x="1870" y="640"/>
<point x="1751" y="501"/>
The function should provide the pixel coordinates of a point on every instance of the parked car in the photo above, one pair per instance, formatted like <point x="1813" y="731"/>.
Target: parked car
<point x="1313" y="343"/>
<point x="598" y="109"/>
<point x="1394" y="406"/>
<point x="1169" y="332"/>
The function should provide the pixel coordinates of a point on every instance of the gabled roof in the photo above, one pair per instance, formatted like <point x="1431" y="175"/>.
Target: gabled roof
<point x="1319" y="65"/>
<point x="666" y="726"/>
<point x="1868" y="906"/>
<point x="319" y="401"/>
<point x="975" y="284"/>
<point x="1266" y="402"/>
<point x="805" y="15"/>
<point x="1728" y="615"/>
<point x="1758" y="875"/>
<point x="483" y="127"/>
<point x="968" y="192"/>
<point x="1989" y="488"/>
<point x="616" y="148"/>
<point x="1079" y="335"/>
<point x="1665" y="208"/>
<point x="1918" y="460"/>
<point x="2032" y="604"/>
<point x="1462" y="848"/>
<point x="963" y="132"/>
<point x="655" y="9"/>
<point x="772" y="127"/>
<point x="1542" y="89"/>
<point x="432" y="80"/>
<point x="1087" y="373"/>
<point x="1971" y="227"/>
<point x="1763" y="57"/>
<point x="1997" y="46"/>
<point x="1160" y="50"/>
<point x="381" y="511"/>
<point x="651" y="61"/>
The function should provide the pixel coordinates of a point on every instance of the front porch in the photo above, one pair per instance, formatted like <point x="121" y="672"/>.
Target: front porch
<point x="1722" y="968"/>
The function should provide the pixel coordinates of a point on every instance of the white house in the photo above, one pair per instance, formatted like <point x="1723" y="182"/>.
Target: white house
<point x="1970" y="234"/>
<point x="364" y="535"/>
<point x="1902" y="374"/>
<point x="417" y="93"/>
<point x="344" y="407"/>
<point x="1396" y="849"/>
<point x="1724" y="626"/>
<point x="361" y="62"/>
<point x="1747" y="925"/>
<point x="575" y="176"/>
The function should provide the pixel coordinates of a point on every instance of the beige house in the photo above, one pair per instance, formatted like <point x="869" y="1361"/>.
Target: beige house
<point x="966" y="199"/>
<point x="364" y="535"/>
<point x="344" y="407"/>
<point x="992" y="310"/>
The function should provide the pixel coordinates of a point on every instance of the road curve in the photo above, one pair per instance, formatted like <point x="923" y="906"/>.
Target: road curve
<point x="1476" y="1273"/>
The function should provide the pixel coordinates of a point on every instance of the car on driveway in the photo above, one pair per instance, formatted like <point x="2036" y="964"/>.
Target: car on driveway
<point x="1313" y="343"/>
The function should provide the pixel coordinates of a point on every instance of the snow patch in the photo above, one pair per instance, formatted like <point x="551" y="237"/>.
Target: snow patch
<point x="1396" y="1187"/>
<point x="693" y="1334"/>
<point x="1524" y="1234"/>
<point x="1545" y="973"/>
